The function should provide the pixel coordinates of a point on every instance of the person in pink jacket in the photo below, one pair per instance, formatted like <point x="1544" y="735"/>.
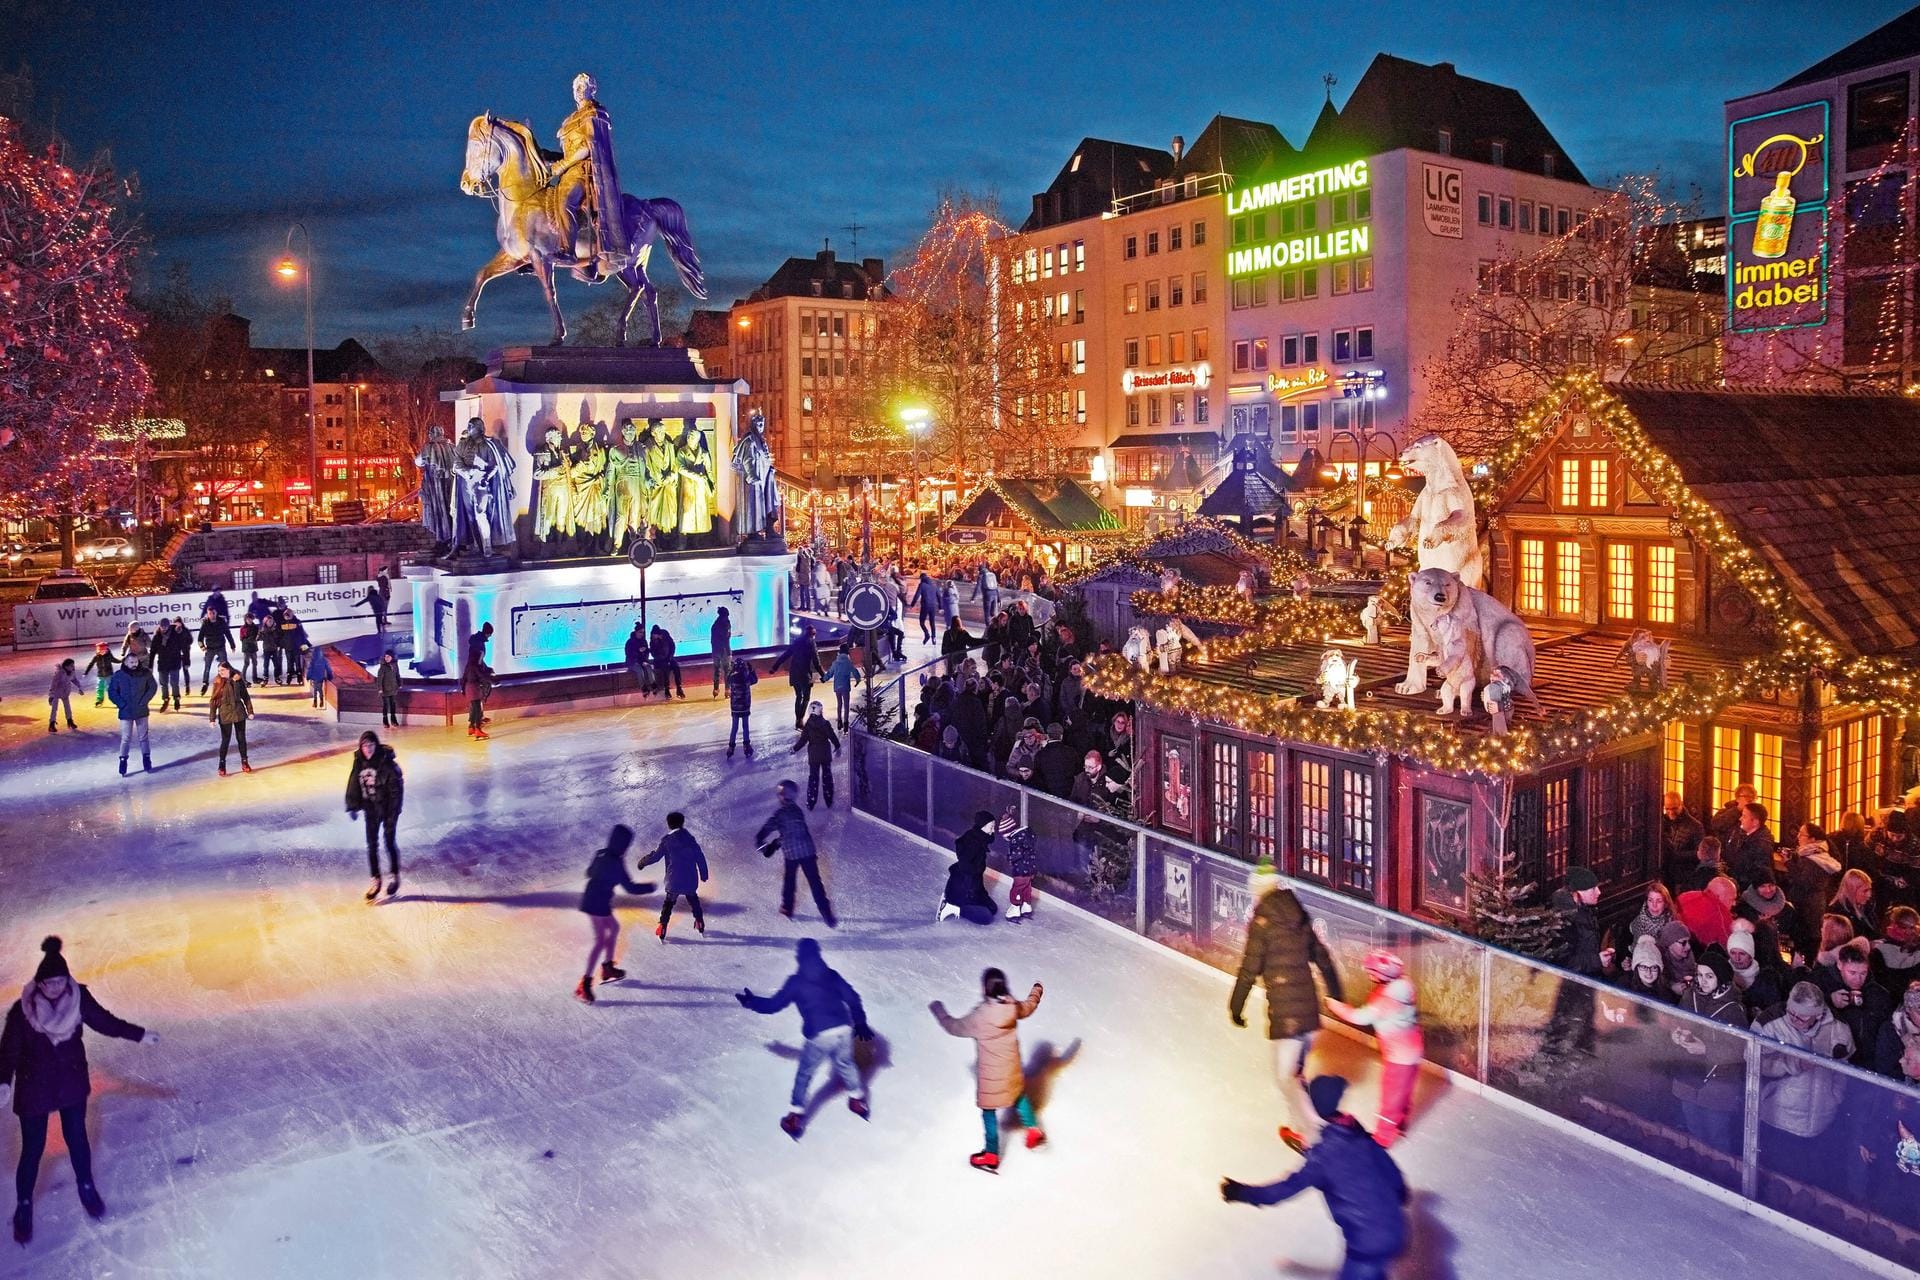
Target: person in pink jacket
<point x="999" y="1082"/>
<point x="1395" y="1021"/>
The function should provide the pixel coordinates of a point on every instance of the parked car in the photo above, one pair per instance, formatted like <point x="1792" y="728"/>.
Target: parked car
<point x="25" y="557"/>
<point x="105" y="551"/>
<point x="64" y="586"/>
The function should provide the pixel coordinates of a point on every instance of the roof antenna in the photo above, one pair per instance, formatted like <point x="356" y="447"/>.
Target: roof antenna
<point x="853" y="230"/>
<point x="1329" y="80"/>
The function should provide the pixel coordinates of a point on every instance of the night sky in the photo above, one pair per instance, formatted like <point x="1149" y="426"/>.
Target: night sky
<point x="777" y="125"/>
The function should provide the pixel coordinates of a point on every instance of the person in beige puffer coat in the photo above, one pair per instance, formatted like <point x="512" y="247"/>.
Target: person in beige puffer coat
<point x="992" y="1025"/>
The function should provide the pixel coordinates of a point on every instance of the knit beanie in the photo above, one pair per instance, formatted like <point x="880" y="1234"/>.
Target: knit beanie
<point x="1721" y="969"/>
<point x="1646" y="952"/>
<point x="1325" y="1092"/>
<point x="1741" y="942"/>
<point x="1805" y="999"/>
<point x="1264" y="880"/>
<point x="1673" y="932"/>
<point x="53" y="965"/>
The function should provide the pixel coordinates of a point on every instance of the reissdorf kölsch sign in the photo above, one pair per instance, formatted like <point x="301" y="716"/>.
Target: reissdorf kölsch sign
<point x="1778" y="190"/>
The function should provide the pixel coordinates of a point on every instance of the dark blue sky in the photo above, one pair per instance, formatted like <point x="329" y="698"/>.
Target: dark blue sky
<point x="778" y="124"/>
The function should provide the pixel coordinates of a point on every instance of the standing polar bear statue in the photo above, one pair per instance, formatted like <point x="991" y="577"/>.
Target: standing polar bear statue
<point x="1441" y="526"/>
<point x="1469" y="636"/>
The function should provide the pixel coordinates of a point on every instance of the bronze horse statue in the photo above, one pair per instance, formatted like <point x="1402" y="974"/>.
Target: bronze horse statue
<point x="506" y="164"/>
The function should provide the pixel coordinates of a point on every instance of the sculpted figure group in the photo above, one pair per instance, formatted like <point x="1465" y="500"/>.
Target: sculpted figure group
<point x="593" y="498"/>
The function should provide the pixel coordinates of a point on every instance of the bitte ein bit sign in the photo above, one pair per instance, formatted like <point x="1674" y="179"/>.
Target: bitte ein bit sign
<point x="1777" y="194"/>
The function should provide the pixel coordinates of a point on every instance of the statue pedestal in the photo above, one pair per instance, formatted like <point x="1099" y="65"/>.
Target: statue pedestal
<point x="764" y="545"/>
<point x="529" y="389"/>
<point x="474" y="562"/>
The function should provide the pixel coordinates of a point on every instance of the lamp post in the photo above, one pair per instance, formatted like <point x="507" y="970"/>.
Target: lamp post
<point x="353" y="438"/>
<point x="917" y="422"/>
<point x="290" y="268"/>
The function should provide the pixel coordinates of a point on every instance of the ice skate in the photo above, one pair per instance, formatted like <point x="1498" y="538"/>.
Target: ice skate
<point x="245" y="767"/>
<point x="393" y="886"/>
<point x="146" y="762"/>
<point x="1294" y="1139"/>
<point x="123" y="766"/>
<point x="223" y="771"/>
<point x="23" y="1222"/>
<point x="1013" y="912"/>
<point x="51" y="729"/>
<point x="987" y="1160"/>
<point x="792" y="1125"/>
<point x="700" y="927"/>
<point x="584" y="992"/>
<point x="1035" y="1137"/>
<point x="373" y="890"/>
<point x="481" y="734"/>
<point x="1386" y="1133"/>
<point x="832" y="920"/>
<point x="610" y="973"/>
<point x="860" y="1108"/>
<point x="947" y="911"/>
<point x="90" y="1201"/>
<point x="660" y="932"/>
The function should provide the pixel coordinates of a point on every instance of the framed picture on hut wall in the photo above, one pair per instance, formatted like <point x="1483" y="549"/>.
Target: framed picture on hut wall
<point x="1441" y="831"/>
<point x="1176" y="784"/>
<point x="1176" y="890"/>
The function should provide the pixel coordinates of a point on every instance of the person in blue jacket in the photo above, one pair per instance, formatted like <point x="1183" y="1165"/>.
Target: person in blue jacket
<point x="1364" y="1190"/>
<point x="831" y="1019"/>
<point x="319" y="671"/>
<point x="131" y="691"/>
<point x="841" y="673"/>
<point x="686" y="872"/>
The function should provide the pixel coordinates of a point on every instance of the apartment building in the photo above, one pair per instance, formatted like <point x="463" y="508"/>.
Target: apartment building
<point x="795" y="340"/>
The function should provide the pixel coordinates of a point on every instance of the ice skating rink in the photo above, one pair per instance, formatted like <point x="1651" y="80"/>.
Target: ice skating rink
<point x="408" y="1090"/>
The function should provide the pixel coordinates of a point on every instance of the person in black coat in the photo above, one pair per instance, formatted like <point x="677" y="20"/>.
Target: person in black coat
<point x="966" y="893"/>
<point x="1055" y="764"/>
<point x="794" y="842"/>
<point x="607" y="871"/>
<point x="636" y="653"/>
<point x="1282" y="947"/>
<point x="376" y="790"/>
<point x="43" y="1063"/>
<point x="686" y="872"/>
<point x="740" y="682"/>
<point x="969" y="715"/>
<point x="801" y="658"/>
<point x="1364" y="1189"/>
<point x="954" y="643"/>
<point x="720" y="646"/>
<point x="822" y="744"/>
<point x="661" y="647"/>
<point x="1749" y="850"/>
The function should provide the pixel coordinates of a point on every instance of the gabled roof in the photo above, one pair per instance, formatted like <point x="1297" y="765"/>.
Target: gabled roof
<point x="1253" y="483"/>
<point x="797" y="276"/>
<point x="1240" y="147"/>
<point x="1097" y="173"/>
<point x="1056" y="505"/>
<point x="1406" y="104"/>
<point x="1889" y="42"/>
<point x="348" y="362"/>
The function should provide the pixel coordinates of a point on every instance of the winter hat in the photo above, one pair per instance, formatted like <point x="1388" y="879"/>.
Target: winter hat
<point x="1646" y="953"/>
<point x="1673" y="932"/>
<point x="1582" y="879"/>
<point x="1722" y="970"/>
<point x="369" y="736"/>
<point x="54" y="965"/>
<point x="1382" y="965"/>
<point x="982" y="818"/>
<point x="1325" y="1092"/>
<point x="1805" y="999"/>
<point x="1741" y="943"/>
<point x="1264" y="879"/>
<point x="1765" y="898"/>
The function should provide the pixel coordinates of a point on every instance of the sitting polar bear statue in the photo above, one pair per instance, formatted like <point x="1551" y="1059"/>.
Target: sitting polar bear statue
<point x="1441" y="525"/>
<point x="1447" y="614"/>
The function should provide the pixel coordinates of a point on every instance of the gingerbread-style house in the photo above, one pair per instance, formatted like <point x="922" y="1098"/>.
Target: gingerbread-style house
<point x="1762" y="548"/>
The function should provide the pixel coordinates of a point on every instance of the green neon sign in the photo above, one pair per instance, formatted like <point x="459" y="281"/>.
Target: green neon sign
<point x="1302" y="186"/>
<point x="1320" y="246"/>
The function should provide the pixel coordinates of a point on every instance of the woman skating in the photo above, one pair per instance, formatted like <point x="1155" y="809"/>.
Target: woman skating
<point x="229" y="706"/>
<point x="608" y="869"/>
<point x="43" y="1060"/>
<point x="999" y="1081"/>
<point x="377" y="789"/>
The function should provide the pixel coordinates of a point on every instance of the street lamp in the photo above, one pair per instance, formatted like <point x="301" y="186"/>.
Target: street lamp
<point x="917" y="421"/>
<point x="353" y="436"/>
<point x="292" y="268"/>
<point x="1363" y="439"/>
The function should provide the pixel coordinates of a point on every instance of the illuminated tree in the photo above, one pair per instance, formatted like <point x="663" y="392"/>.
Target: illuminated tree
<point x="962" y="337"/>
<point x="1612" y="295"/>
<point x="68" y="365"/>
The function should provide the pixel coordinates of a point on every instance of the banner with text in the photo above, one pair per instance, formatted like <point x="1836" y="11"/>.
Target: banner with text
<point x="1777" y="214"/>
<point x="329" y="610"/>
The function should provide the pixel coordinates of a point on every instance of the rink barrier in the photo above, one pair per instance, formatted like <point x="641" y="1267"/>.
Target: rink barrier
<point x="1589" y="1058"/>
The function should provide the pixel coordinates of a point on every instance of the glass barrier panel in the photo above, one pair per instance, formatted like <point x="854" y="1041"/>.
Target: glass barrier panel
<point x="1840" y="1149"/>
<point x="1650" y="1076"/>
<point x="959" y="793"/>
<point x="1085" y="858"/>
<point x="1174" y="917"/>
<point x="867" y="773"/>
<point x="907" y="787"/>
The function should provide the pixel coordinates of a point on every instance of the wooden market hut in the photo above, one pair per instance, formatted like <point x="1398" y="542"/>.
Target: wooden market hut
<point x="1007" y="514"/>
<point x="1771" y="538"/>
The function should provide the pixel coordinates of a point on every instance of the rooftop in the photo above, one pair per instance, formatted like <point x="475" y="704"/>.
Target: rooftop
<point x="1892" y="41"/>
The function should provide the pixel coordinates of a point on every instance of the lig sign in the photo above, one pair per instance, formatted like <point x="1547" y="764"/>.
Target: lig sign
<point x="1777" y="194"/>
<point x="1177" y="378"/>
<point x="1284" y="386"/>
<point x="1311" y="247"/>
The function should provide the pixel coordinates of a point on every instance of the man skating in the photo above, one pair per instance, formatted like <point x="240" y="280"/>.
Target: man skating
<point x="1281" y="944"/>
<point x="377" y="789"/>
<point x="822" y="745"/>
<point x="831" y="1019"/>
<point x="132" y="691"/>
<point x="789" y="825"/>
<point x="686" y="872"/>
<point x="801" y="658"/>
<point x="740" y="681"/>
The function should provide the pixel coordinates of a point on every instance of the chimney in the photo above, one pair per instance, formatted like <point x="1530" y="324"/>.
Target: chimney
<point x="1446" y="67"/>
<point x="1179" y="147"/>
<point x="826" y="254"/>
<point x="876" y="269"/>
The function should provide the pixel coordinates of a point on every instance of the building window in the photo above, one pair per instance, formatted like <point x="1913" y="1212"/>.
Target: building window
<point x="1242" y="356"/>
<point x="328" y="573"/>
<point x="1132" y="249"/>
<point x="1173" y="238"/>
<point x="1290" y="349"/>
<point x="1673" y="757"/>
<point x="1444" y="142"/>
<point x="1259" y="291"/>
<point x="1199" y="344"/>
<point x="1133" y="413"/>
<point x="1313" y="785"/>
<point x="1079" y="255"/>
<point x="1499" y="153"/>
<point x="1362" y="275"/>
<point x="243" y="579"/>
<point x="1533" y="575"/>
<point x="1080" y="404"/>
<point x="1199" y="234"/>
<point x="1154" y="345"/>
<point x="1357" y="830"/>
<point x="1526" y="215"/>
<point x="1484" y="208"/>
<point x="1200" y="408"/>
<point x="1261" y="807"/>
<point x="1079" y="355"/>
<point x="1876" y="117"/>
<point x="1505" y="219"/>
<point x="1289" y="422"/>
<point x="1259" y="353"/>
<point x="1569" y="482"/>
<point x="1597" y="478"/>
<point x="1153" y="411"/>
<point x="1660" y="583"/>
<point x="1199" y="286"/>
<point x="1046" y="264"/>
<point x="1742" y="756"/>
<point x="1363" y="343"/>
<point x="1177" y="346"/>
<point x="1079" y="306"/>
<point x="1556" y="828"/>
<point x="1223" y="792"/>
<point x="1342" y="277"/>
<point x="1342" y="346"/>
<point x="1133" y="353"/>
<point x="1309" y="348"/>
<point x="1563" y="223"/>
<point x="1620" y="577"/>
<point x="1153" y="295"/>
<point x="1848" y="766"/>
<point x="1153" y="242"/>
<point x="1176" y="291"/>
<point x="1177" y="409"/>
<point x="1132" y="296"/>
<point x="1566" y="577"/>
<point x="1242" y="294"/>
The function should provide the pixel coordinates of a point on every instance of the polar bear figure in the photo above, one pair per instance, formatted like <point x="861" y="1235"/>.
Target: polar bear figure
<point x="1441" y="527"/>
<point x="1437" y="603"/>
<point x="1138" y="649"/>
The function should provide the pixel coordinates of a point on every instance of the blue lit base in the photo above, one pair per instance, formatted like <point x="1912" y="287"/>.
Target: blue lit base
<point x="578" y="617"/>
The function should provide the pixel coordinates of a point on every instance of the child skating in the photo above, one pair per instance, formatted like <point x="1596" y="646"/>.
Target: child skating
<point x="999" y="1081"/>
<point x="66" y="683"/>
<point x="1390" y="1011"/>
<point x="101" y="667"/>
<point x="608" y="869"/>
<point x="686" y="872"/>
<point x="831" y="1019"/>
<point x="1022" y="864"/>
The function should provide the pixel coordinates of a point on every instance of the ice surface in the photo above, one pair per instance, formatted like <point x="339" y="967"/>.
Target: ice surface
<point x="408" y="1090"/>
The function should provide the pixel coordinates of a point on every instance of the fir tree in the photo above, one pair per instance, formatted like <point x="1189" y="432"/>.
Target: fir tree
<point x="1504" y="910"/>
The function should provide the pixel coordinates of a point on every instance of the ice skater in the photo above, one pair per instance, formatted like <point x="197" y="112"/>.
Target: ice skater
<point x="993" y="1026"/>
<point x="965" y="894"/>
<point x="376" y="790"/>
<point x="1281" y="944"/>
<point x="43" y="1063"/>
<point x="831" y="1019"/>
<point x="1364" y="1190"/>
<point x="319" y="671"/>
<point x="822" y="745"/>
<point x="1022" y="864"/>
<point x="740" y="682"/>
<point x="1395" y="1020"/>
<point x="686" y="872"/>
<point x="840" y="675"/>
<point x="387" y="677"/>
<point x="131" y="691"/>
<point x="230" y="706"/>
<point x="100" y="666"/>
<point x="788" y="827"/>
<point x="66" y="683"/>
<point x="607" y="870"/>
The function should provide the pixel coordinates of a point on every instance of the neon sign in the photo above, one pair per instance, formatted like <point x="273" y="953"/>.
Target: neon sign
<point x="1177" y="378"/>
<point x="1284" y="386"/>
<point x="1303" y="186"/>
<point x="1777" y="194"/>
<point x="1348" y="242"/>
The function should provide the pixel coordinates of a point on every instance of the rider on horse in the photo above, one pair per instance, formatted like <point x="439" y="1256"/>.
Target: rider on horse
<point x="587" y="181"/>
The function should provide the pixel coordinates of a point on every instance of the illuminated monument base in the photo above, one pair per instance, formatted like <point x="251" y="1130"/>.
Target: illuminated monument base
<point x="574" y="617"/>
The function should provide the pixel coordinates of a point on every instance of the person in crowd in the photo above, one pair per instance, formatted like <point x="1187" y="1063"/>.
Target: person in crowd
<point x="605" y="873"/>
<point x="1890" y="857"/>
<point x="1282" y="948"/>
<point x="986" y="589"/>
<point x="1707" y="864"/>
<point x="740" y="681"/>
<point x="1393" y="1014"/>
<point x="1363" y="1188"/>
<point x="1836" y="931"/>
<point x="1772" y="914"/>
<point x="250" y="664"/>
<point x="1896" y="956"/>
<point x="272" y="656"/>
<point x="1799" y="1099"/>
<point x="216" y="604"/>
<point x="1023" y="863"/>
<point x="319" y="672"/>
<point x="1655" y="912"/>
<point x="1680" y="836"/>
<point x="954" y="643"/>
<point x="101" y="667"/>
<point x="1712" y="1090"/>
<point x="840" y="676"/>
<point x="1726" y="819"/>
<point x="386" y="677"/>
<point x="1677" y="952"/>
<point x="132" y="691"/>
<point x="257" y="609"/>
<point x="636" y="654"/>
<point x="169" y="660"/>
<point x="1708" y="913"/>
<point x="230" y="705"/>
<point x="1853" y="902"/>
<point x="832" y="1018"/>
<point x="1812" y="875"/>
<point x="216" y="641"/>
<point x="1848" y="844"/>
<point x="951" y="748"/>
<point x="66" y="683"/>
<point x="999" y="1082"/>
<point x="136" y="642"/>
<point x="476" y="683"/>
<point x="376" y="604"/>
<point x="965" y="894"/>
<point x="1897" y="1056"/>
<point x="926" y="598"/>
<point x="1758" y="978"/>
<point x="1646" y="973"/>
<point x="376" y="791"/>
<point x="666" y="667"/>
<point x="720" y="647"/>
<point x="799" y="856"/>
<point x="1749" y="851"/>
<point x="43" y="1065"/>
<point x="1864" y="1006"/>
<point x="1026" y="751"/>
<point x="686" y="865"/>
<point x="294" y="641"/>
<point x="822" y="744"/>
<point x="801" y="658"/>
<point x="1056" y="763"/>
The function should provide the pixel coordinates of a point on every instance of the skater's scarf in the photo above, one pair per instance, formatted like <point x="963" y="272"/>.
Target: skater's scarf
<point x="57" y="1020"/>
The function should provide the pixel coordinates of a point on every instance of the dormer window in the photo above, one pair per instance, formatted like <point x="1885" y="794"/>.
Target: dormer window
<point x="817" y="292"/>
<point x="1444" y="145"/>
<point x="1499" y="153"/>
<point x="1546" y="164"/>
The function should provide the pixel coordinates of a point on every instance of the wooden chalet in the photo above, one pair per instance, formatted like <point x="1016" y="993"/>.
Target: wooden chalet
<point x="1772" y="539"/>
<point x="1059" y="514"/>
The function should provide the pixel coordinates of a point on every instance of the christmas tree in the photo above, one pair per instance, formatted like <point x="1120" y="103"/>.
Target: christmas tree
<point x="1504" y="910"/>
